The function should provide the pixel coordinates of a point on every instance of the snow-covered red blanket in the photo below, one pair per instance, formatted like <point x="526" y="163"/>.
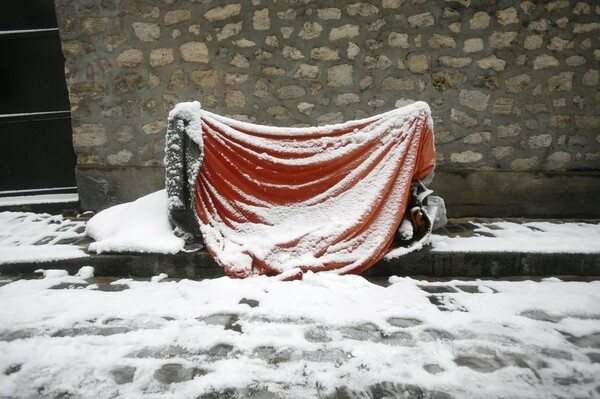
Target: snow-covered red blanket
<point x="272" y="200"/>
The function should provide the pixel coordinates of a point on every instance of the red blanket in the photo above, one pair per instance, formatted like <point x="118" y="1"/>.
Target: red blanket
<point x="271" y="200"/>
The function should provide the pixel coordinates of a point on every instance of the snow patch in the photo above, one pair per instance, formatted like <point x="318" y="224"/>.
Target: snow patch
<point x="139" y="226"/>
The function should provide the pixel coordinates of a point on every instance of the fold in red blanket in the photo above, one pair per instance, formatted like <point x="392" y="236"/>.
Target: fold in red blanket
<point x="330" y="198"/>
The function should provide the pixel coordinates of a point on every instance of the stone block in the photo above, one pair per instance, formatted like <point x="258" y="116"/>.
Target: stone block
<point x="362" y="9"/>
<point x="173" y="17"/>
<point x="455" y="62"/>
<point x="340" y="75"/>
<point x="346" y="99"/>
<point x="223" y="12"/>
<point x="261" y="19"/>
<point x="559" y="44"/>
<point x="229" y="30"/>
<point x="235" y="99"/>
<point x="206" y="78"/>
<point x="561" y="82"/>
<point x="518" y="83"/>
<point x="290" y="91"/>
<point x="344" y="32"/>
<point x="559" y="121"/>
<point x="390" y="83"/>
<point x="590" y="77"/>
<point x="525" y="163"/>
<point x="194" y="52"/>
<point x="558" y="160"/>
<point x="510" y="130"/>
<point x="507" y="16"/>
<point x="501" y="39"/>
<point x="480" y="20"/>
<point x="539" y="141"/>
<point x="462" y="118"/>
<point x="503" y="106"/>
<point x="545" y="61"/>
<point x="418" y="63"/>
<point x="146" y="31"/>
<point x="292" y="53"/>
<point x="501" y="152"/>
<point x="236" y="78"/>
<point x="161" y="56"/>
<point x="478" y="138"/>
<point x="155" y="127"/>
<point x="130" y="58"/>
<point x="127" y="82"/>
<point x="473" y="45"/>
<point x="437" y="41"/>
<point x="93" y="25"/>
<point x="240" y="61"/>
<point x="474" y="99"/>
<point x="533" y="42"/>
<point x="120" y="158"/>
<point x="330" y="118"/>
<point x="466" y="157"/>
<point x="421" y="20"/>
<point x="305" y="71"/>
<point x="587" y="122"/>
<point x="378" y="62"/>
<point x="352" y="50"/>
<point x="329" y="13"/>
<point x="310" y="30"/>
<point x="492" y="62"/>
<point x="444" y="81"/>
<point x="325" y="53"/>
<point x="396" y="39"/>
<point x="89" y="135"/>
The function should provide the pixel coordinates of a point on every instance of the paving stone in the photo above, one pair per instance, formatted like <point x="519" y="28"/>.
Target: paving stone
<point x="433" y="368"/>
<point x="250" y="302"/>
<point x="174" y="372"/>
<point x="317" y="333"/>
<point x="220" y="351"/>
<point x="327" y="355"/>
<point x="363" y="332"/>
<point x="9" y="336"/>
<point x="437" y="289"/>
<point x="92" y="330"/>
<point x="398" y="338"/>
<point x="123" y="375"/>
<point x="482" y="364"/>
<point x="12" y="369"/>
<point x="403" y="322"/>
<point x="586" y="341"/>
<point x="272" y="355"/>
<point x="540" y="315"/>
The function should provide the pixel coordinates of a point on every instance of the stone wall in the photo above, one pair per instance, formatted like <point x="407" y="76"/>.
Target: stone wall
<point x="513" y="85"/>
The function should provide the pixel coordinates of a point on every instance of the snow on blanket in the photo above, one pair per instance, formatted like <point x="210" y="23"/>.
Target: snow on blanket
<point x="271" y="200"/>
<point x="327" y="336"/>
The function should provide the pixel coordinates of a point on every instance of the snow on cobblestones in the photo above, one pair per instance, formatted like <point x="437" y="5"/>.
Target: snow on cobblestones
<point x="33" y="237"/>
<point x="325" y="336"/>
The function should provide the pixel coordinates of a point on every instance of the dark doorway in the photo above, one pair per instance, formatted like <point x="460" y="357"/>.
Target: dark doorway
<point x="36" y="150"/>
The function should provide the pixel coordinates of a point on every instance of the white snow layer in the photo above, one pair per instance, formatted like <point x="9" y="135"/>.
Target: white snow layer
<point x="31" y="237"/>
<point x="540" y="237"/>
<point x="300" y="339"/>
<point x="143" y="226"/>
<point x="38" y="199"/>
<point x="139" y="226"/>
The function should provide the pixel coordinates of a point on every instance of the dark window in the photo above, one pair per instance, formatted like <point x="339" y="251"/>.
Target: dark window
<point x="36" y="149"/>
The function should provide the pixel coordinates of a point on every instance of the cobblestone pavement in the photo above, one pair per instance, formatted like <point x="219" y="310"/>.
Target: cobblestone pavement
<point x="330" y="337"/>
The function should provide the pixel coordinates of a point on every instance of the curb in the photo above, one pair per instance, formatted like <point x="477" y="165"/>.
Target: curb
<point x="200" y="265"/>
